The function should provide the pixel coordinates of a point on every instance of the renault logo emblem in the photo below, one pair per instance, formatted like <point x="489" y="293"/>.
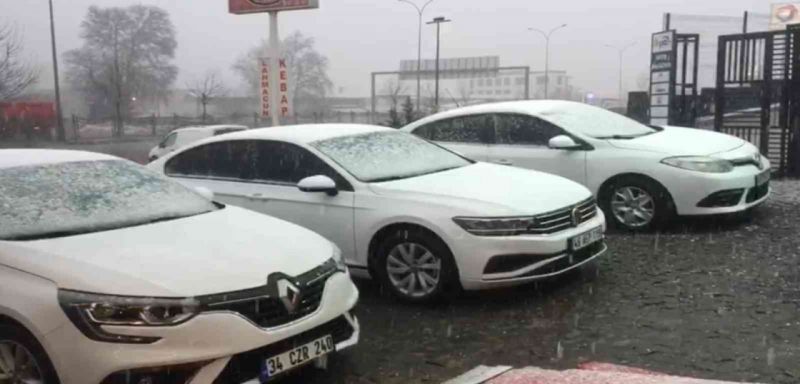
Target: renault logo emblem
<point x="575" y="216"/>
<point x="289" y="295"/>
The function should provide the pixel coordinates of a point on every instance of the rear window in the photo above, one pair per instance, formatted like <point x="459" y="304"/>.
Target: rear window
<point x="57" y="200"/>
<point x="223" y="131"/>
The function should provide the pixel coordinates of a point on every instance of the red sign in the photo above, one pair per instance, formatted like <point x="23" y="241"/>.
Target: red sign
<point x="256" y="6"/>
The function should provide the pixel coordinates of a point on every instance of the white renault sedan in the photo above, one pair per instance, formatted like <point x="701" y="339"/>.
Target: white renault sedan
<point x="641" y="175"/>
<point x="418" y="217"/>
<point x="111" y="273"/>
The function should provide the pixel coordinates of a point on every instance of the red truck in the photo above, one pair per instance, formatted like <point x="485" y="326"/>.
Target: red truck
<point x="27" y="119"/>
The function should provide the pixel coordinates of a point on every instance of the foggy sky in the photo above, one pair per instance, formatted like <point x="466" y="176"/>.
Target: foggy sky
<point x="361" y="36"/>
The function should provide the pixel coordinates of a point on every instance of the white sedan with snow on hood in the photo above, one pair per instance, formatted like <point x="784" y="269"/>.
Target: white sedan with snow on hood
<point x="416" y="216"/>
<point x="641" y="175"/>
<point x="110" y="273"/>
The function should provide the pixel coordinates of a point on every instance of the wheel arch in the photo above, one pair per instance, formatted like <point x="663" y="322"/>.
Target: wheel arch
<point x="387" y="229"/>
<point x="603" y="189"/>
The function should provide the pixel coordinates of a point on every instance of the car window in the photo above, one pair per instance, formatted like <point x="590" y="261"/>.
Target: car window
<point x="275" y="161"/>
<point x="467" y="129"/>
<point x="226" y="159"/>
<point x="169" y="141"/>
<point x="515" y="129"/>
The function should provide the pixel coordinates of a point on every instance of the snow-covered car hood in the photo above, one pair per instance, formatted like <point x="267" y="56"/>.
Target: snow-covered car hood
<point x="677" y="141"/>
<point x="490" y="190"/>
<point x="227" y="250"/>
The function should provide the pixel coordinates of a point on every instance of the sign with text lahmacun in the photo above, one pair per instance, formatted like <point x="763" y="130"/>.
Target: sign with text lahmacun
<point x="241" y="7"/>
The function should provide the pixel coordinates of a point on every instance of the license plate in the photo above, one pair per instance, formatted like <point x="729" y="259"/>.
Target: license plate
<point x="763" y="177"/>
<point x="586" y="239"/>
<point x="298" y="356"/>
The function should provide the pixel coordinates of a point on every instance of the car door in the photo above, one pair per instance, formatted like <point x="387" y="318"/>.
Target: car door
<point x="522" y="141"/>
<point x="466" y="135"/>
<point x="277" y="167"/>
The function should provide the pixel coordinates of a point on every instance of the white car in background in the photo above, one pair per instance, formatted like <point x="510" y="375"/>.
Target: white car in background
<point x="110" y="273"/>
<point x="641" y="175"/>
<point x="184" y="136"/>
<point x="417" y="217"/>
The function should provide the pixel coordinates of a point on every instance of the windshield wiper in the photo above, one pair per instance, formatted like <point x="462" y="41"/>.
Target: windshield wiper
<point x="393" y="178"/>
<point x="43" y="236"/>
<point x="624" y="137"/>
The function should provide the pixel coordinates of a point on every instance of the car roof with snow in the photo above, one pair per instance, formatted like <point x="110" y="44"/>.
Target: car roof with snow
<point x="10" y="158"/>
<point x="211" y="127"/>
<point x="301" y="134"/>
<point x="524" y="106"/>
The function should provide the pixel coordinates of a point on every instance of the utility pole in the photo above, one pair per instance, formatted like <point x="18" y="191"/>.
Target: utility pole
<point x="61" y="135"/>
<point x="621" y="51"/>
<point x="438" y="21"/>
<point x="420" y="11"/>
<point x="546" y="36"/>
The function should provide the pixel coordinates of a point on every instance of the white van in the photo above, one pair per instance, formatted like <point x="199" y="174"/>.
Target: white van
<point x="182" y="136"/>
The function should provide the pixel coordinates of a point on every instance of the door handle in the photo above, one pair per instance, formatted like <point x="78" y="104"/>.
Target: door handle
<point x="504" y="162"/>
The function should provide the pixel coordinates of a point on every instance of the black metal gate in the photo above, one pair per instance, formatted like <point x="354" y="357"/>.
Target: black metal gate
<point x="757" y="98"/>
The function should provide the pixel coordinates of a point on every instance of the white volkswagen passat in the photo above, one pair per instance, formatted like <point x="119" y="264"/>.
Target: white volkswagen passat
<point x="416" y="216"/>
<point x="641" y="175"/>
<point x="111" y="273"/>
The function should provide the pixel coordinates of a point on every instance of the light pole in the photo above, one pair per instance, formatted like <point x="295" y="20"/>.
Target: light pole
<point x="438" y="21"/>
<point x="59" y="114"/>
<point x="546" y="36"/>
<point x="621" y="52"/>
<point x="420" y="11"/>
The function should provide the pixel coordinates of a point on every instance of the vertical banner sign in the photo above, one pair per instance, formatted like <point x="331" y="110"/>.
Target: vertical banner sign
<point x="285" y="104"/>
<point x="662" y="77"/>
<point x="265" y="99"/>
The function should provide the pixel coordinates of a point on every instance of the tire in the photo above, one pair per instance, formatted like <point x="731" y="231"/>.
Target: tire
<point x="431" y="270"/>
<point x="39" y="365"/>
<point x="636" y="204"/>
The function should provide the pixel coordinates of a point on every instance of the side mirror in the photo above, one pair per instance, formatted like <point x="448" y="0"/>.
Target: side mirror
<point x="319" y="183"/>
<point x="563" y="142"/>
<point x="205" y="193"/>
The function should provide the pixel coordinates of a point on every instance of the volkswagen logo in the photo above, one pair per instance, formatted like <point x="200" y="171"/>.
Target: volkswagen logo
<point x="575" y="216"/>
<point x="289" y="294"/>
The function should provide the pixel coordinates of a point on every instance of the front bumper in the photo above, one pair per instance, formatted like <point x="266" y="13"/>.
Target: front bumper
<point x="474" y="253"/>
<point x="692" y="191"/>
<point x="207" y="344"/>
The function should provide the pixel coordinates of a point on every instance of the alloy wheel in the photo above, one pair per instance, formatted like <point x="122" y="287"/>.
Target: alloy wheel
<point x="17" y="365"/>
<point x="633" y="206"/>
<point x="413" y="270"/>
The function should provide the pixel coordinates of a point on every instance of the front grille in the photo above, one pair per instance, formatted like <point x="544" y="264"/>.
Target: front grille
<point x="726" y="198"/>
<point x="561" y="219"/>
<point x="247" y="365"/>
<point x="758" y="192"/>
<point x="262" y="305"/>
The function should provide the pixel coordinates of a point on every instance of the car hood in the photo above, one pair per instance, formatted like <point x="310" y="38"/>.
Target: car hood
<point x="491" y="190"/>
<point x="677" y="141"/>
<point x="227" y="250"/>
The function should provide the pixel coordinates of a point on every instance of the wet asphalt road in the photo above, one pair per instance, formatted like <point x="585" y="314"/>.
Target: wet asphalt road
<point x="710" y="298"/>
<point x="714" y="299"/>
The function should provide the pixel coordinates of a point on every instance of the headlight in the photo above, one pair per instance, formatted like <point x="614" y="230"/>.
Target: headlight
<point x="700" y="164"/>
<point x="337" y="258"/>
<point x="485" y="226"/>
<point x="90" y="312"/>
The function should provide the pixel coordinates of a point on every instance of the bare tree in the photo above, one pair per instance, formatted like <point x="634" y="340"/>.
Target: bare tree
<point x="16" y="75"/>
<point x="465" y="92"/>
<point x="393" y="89"/>
<point x="206" y="89"/>
<point x="126" y="54"/>
<point x="308" y="69"/>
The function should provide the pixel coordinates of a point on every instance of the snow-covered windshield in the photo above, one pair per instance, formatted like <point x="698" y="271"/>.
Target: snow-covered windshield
<point x="385" y="156"/>
<point x="595" y="122"/>
<point x="65" y="199"/>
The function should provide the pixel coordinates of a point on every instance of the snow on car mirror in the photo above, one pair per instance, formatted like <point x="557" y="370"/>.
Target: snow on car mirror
<point x="205" y="193"/>
<point x="319" y="183"/>
<point x="563" y="142"/>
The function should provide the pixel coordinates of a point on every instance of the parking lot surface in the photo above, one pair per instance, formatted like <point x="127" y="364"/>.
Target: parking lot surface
<point x="711" y="298"/>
